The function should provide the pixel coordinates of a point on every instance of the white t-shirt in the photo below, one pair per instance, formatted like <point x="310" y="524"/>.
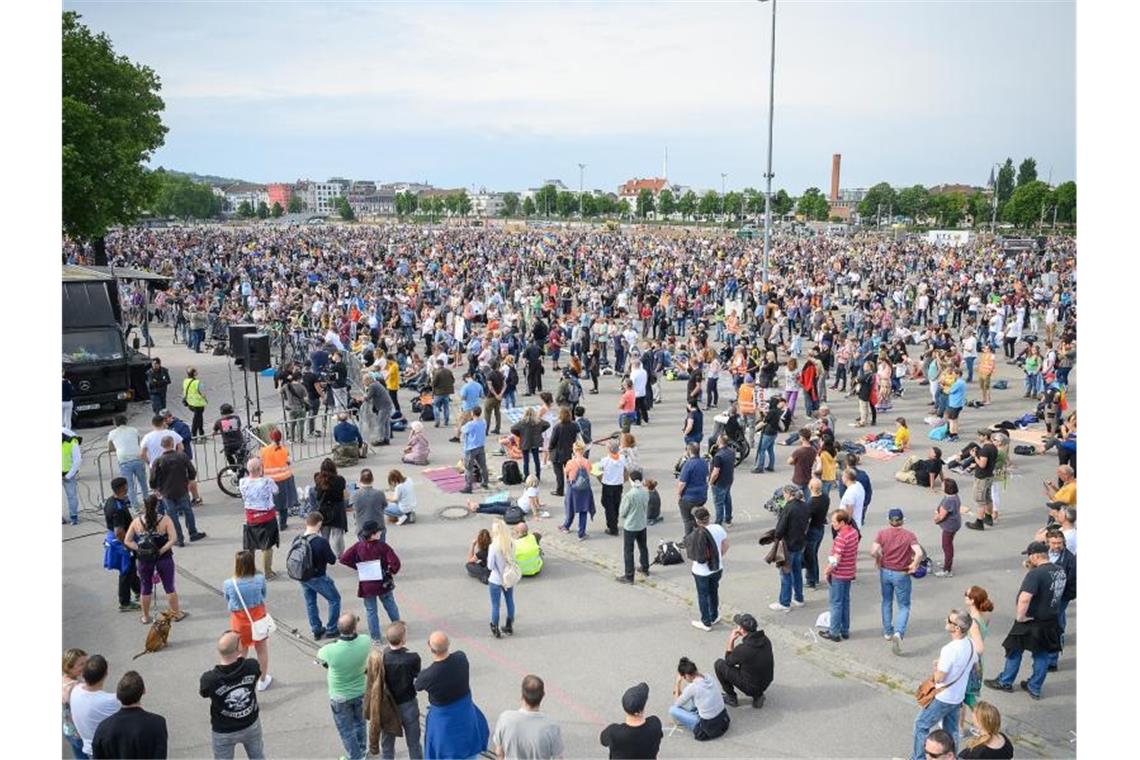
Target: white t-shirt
<point x="719" y="535"/>
<point x="89" y="709"/>
<point x="126" y="442"/>
<point x="405" y="497"/>
<point x="152" y="442"/>
<point x="524" y="500"/>
<point x="955" y="660"/>
<point x="640" y="379"/>
<point x="1071" y="540"/>
<point x="852" y="501"/>
<point x="613" y="471"/>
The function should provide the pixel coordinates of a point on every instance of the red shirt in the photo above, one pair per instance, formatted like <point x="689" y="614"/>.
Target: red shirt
<point x="627" y="401"/>
<point x="896" y="543"/>
<point x="845" y="548"/>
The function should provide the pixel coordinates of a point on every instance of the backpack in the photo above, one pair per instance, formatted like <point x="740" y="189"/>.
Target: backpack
<point x="399" y="425"/>
<point x="147" y="542"/>
<point x="575" y="393"/>
<point x="1025" y="450"/>
<point x="939" y="433"/>
<point x="299" y="560"/>
<point x="510" y="473"/>
<point x="581" y="481"/>
<point x="514" y="514"/>
<point x="427" y="414"/>
<point x="668" y="553"/>
<point x="1000" y="385"/>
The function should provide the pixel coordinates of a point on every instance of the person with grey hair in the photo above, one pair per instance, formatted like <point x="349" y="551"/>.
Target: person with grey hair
<point x="633" y="513"/>
<point x="261" y="531"/>
<point x="346" y="659"/>
<point x="692" y="485"/>
<point x="951" y="675"/>
<point x="613" y="477"/>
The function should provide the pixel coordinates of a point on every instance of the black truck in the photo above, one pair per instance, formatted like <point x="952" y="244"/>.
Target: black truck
<point x="96" y="358"/>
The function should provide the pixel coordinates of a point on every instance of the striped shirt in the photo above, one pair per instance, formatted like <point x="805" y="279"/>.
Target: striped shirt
<point x="844" y="549"/>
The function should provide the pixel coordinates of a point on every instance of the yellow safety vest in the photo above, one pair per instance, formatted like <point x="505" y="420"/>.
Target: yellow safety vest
<point x="528" y="555"/>
<point x="191" y="391"/>
<point x="69" y="445"/>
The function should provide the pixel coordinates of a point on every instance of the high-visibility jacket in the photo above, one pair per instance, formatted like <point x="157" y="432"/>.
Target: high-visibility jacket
<point x="71" y="452"/>
<point x="746" y="399"/>
<point x="275" y="460"/>
<point x="528" y="555"/>
<point x="192" y="392"/>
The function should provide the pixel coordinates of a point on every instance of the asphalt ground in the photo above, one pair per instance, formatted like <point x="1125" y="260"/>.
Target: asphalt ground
<point x="588" y="637"/>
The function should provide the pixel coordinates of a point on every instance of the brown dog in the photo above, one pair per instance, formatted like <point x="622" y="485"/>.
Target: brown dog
<point x="158" y="633"/>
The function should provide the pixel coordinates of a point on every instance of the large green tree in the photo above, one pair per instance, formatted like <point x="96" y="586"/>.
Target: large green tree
<point x="567" y="204"/>
<point x="1027" y="203"/>
<point x="510" y="204"/>
<point x="813" y="205"/>
<point x="913" y="201"/>
<point x="245" y="210"/>
<point x="546" y="200"/>
<point x="589" y="203"/>
<point x="295" y="204"/>
<point x="112" y="124"/>
<point x="666" y="203"/>
<point x="177" y="196"/>
<point x="263" y="209"/>
<point x="343" y="207"/>
<point x="687" y="205"/>
<point x="645" y="203"/>
<point x="733" y="204"/>
<point x="1026" y="172"/>
<point x="1005" y="182"/>
<point x="709" y="204"/>
<point x="879" y="201"/>
<point x="948" y="208"/>
<point x="277" y="210"/>
<point x="1065" y="197"/>
<point x="782" y="203"/>
<point x="528" y="207"/>
<point x="463" y="203"/>
<point x="979" y="207"/>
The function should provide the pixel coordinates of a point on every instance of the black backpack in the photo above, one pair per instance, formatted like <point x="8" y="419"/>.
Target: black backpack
<point x="299" y="560"/>
<point x="668" y="553"/>
<point x="148" y="545"/>
<point x="427" y="414"/>
<point x="514" y="515"/>
<point x="510" y="474"/>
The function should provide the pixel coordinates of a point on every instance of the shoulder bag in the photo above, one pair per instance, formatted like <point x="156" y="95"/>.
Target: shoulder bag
<point x="927" y="690"/>
<point x="261" y="628"/>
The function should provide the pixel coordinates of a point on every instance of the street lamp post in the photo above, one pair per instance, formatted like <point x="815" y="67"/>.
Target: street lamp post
<point x="768" y="174"/>
<point x="993" y="219"/>
<point x="581" y="174"/>
<point x="723" y="205"/>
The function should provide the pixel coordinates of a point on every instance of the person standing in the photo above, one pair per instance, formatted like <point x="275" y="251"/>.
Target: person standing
<point x="455" y="726"/>
<point x="692" y="485"/>
<point x="802" y="461"/>
<point x="170" y="476"/>
<point x="400" y="669"/>
<point x="123" y="441"/>
<point x="985" y="463"/>
<point x="151" y="538"/>
<point x="1060" y="556"/>
<point x="157" y="381"/>
<point x="897" y="554"/>
<point x="852" y="499"/>
<point x="117" y="517"/>
<point x="640" y="380"/>
<point x="791" y="528"/>
<point x="818" y="506"/>
<point x="245" y="592"/>
<point x="706" y="546"/>
<point x="474" y="433"/>
<point x="132" y="731"/>
<point x="527" y="732"/>
<point x="613" y="477"/>
<point x="529" y="431"/>
<point x="493" y="403"/>
<point x="948" y="517"/>
<point x="72" y="459"/>
<point x="278" y="464"/>
<point x="1036" y="628"/>
<point x="331" y="491"/>
<point x="375" y="564"/>
<point x="637" y="737"/>
<point x="260" y="531"/>
<point x="345" y="660"/>
<point x="501" y="556"/>
<point x="319" y="583"/>
<point x="633" y="514"/>
<point x="766" y="451"/>
<point x="698" y="704"/>
<point x="579" y="498"/>
<point x="194" y="400"/>
<point x="722" y="472"/>
<point x="89" y="704"/>
<point x="74" y="661"/>
<point x="234" y="712"/>
<point x="747" y="664"/>
<point x="839" y="573"/>
<point x="560" y="448"/>
<point x="951" y="674"/>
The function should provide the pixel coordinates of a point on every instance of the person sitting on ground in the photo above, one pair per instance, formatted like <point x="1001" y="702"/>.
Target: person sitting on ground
<point x="528" y="553"/>
<point x="498" y="504"/>
<point x="698" y="704"/>
<point x="638" y="736"/>
<point x="747" y="663"/>
<point x="401" y="499"/>
<point x="348" y="446"/>
<point x="902" y="436"/>
<point x="922" y="472"/>
<point x="1066" y="493"/>
<point x="418" y="449"/>
<point x="477" y="556"/>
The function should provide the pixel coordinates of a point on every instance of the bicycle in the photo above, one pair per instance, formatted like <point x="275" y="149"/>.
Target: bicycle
<point x="229" y="477"/>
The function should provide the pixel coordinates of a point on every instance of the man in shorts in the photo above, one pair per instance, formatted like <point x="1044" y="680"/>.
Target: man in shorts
<point x="985" y="460"/>
<point x="955" y="401"/>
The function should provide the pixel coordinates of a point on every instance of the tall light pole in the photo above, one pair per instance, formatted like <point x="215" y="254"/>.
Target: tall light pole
<point x="581" y="174"/>
<point x="993" y="219"/>
<point x="768" y="174"/>
<point x="723" y="206"/>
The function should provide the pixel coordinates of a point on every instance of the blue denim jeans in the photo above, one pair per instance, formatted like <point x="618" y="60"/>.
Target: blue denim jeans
<point x="442" y="407"/>
<point x="373" y="613"/>
<point x="722" y="498"/>
<point x="828" y="485"/>
<point x="135" y="473"/>
<point x="766" y="450"/>
<point x="510" y="399"/>
<point x="249" y="738"/>
<point x="708" y="596"/>
<point x="176" y="507"/>
<point x="497" y="591"/>
<point x="970" y="368"/>
<point x="687" y="718"/>
<point x="324" y="586"/>
<point x="811" y="555"/>
<point x="1013" y="664"/>
<point x="839" y="599"/>
<point x="934" y="714"/>
<point x="348" y="715"/>
<point x="1062" y="620"/>
<point x="895" y="584"/>
<point x="528" y="455"/>
<point x="793" y="581"/>
<point x="71" y="490"/>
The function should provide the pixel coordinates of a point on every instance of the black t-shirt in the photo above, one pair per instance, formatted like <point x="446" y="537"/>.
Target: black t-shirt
<point x="447" y="680"/>
<point x="989" y="451"/>
<point x="233" y="695"/>
<point x="1047" y="584"/>
<point x="117" y="514"/>
<point x="925" y="470"/>
<point x="633" y="743"/>
<point x="310" y="380"/>
<point x="725" y="462"/>
<point x="131" y="732"/>
<point x="339" y="374"/>
<point x="818" y="506"/>
<point x="772" y="420"/>
<point x="495" y="380"/>
<point x="400" y="670"/>
<point x="982" y="752"/>
<point x="230" y="428"/>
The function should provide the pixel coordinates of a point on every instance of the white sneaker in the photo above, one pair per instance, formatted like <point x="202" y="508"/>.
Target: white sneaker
<point x="401" y="519"/>
<point x="797" y="604"/>
<point x="702" y="626"/>
<point x="896" y="643"/>
<point x="778" y="607"/>
<point x="263" y="683"/>
<point x="943" y="574"/>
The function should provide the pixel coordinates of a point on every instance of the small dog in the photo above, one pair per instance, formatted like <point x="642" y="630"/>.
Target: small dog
<point x="158" y="633"/>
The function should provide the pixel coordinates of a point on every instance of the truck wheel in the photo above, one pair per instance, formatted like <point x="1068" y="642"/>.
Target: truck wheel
<point x="120" y="406"/>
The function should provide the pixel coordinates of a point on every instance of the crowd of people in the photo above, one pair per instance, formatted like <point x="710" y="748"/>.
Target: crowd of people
<point x="478" y="317"/>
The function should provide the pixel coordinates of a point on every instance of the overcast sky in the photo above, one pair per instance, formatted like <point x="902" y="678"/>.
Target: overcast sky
<point x="504" y="95"/>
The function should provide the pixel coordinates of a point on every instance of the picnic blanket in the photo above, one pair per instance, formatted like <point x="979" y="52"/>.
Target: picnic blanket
<point x="1032" y="437"/>
<point x="515" y="413"/>
<point x="879" y="455"/>
<point x="448" y="479"/>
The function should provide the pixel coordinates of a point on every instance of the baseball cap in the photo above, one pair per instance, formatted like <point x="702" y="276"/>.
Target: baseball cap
<point x="896" y="514"/>
<point x="635" y="698"/>
<point x="1036" y="547"/>
<point x="747" y="622"/>
<point x="369" y="529"/>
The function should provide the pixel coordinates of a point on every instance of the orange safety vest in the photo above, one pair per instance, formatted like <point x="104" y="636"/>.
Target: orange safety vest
<point x="276" y="462"/>
<point x="746" y="399"/>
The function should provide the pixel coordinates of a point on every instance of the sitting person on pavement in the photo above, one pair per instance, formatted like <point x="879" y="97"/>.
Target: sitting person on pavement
<point x="747" y="664"/>
<point x="698" y="704"/>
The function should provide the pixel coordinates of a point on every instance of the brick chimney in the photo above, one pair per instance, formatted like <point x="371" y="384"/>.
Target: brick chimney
<point x="835" y="158"/>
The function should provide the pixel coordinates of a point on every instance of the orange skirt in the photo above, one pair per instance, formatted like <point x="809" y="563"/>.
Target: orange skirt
<point x="239" y="623"/>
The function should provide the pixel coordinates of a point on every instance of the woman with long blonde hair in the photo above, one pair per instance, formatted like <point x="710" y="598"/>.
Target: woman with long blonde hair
<point x="990" y="741"/>
<point x="500" y="556"/>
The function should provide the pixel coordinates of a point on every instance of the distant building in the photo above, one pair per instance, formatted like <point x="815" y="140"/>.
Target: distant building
<point x="966" y="190"/>
<point x="366" y="199"/>
<point x="845" y="203"/>
<point x="320" y="198"/>
<point x="244" y="192"/>
<point x="279" y="192"/>
<point x="632" y="188"/>
<point x="486" y="203"/>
